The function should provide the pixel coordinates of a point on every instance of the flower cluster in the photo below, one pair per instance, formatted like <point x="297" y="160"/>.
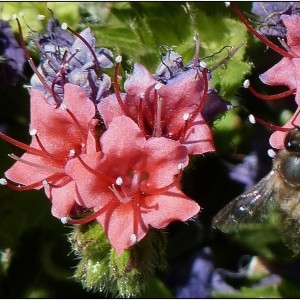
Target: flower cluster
<point x="116" y="158"/>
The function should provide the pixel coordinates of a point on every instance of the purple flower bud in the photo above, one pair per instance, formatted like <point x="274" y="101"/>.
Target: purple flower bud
<point x="12" y="57"/>
<point x="65" y="59"/>
<point x="269" y="16"/>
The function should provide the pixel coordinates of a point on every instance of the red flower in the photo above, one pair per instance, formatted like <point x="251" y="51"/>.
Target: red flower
<point x="172" y="110"/>
<point x="132" y="184"/>
<point x="57" y="134"/>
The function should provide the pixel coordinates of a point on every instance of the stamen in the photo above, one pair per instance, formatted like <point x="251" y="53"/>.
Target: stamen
<point x="181" y="166"/>
<point x="72" y="153"/>
<point x="29" y="163"/>
<point x="247" y="85"/>
<point x="30" y="61"/>
<point x="258" y="35"/>
<point x="23" y="146"/>
<point x="110" y="206"/>
<point x="116" y="85"/>
<point x="36" y="185"/>
<point x="40" y="17"/>
<point x="197" y="50"/>
<point x="157" y="130"/>
<point x="254" y="120"/>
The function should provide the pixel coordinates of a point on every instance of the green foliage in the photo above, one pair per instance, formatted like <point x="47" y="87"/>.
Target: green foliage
<point x="127" y="275"/>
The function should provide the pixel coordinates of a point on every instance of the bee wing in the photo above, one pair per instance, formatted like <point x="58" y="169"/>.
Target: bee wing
<point x="249" y="208"/>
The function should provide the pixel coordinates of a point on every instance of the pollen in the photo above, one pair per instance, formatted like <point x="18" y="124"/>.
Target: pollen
<point x="33" y="132"/>
<point x="251" y="119"/>
<point x="203" y="64"/>
<point x="64" y="220"/>
<point x="118" y="59"/>
<point x="158" y="86"/>
<point x="181" y="166"/>
<point x="3" y="181"/>
<point x="246" y="84"/>
<point x="271" y="153"/>
<point x="186" y="116"/>
<point x="72" y="153"/>
<point x="119" y="181"/>
<point x="64" y="26"/>
<point x="45" y="184"/>
<point x="63" y="106"/>
<point x="133" y="238"/>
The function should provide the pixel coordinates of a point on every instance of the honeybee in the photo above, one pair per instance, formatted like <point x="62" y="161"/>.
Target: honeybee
<point x="278" y="191"/>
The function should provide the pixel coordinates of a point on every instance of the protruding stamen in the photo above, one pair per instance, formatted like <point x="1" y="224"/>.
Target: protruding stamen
<point x="3" y="181"/>
<point x="157" y="130"/>
<point x="253" y="120"/>
<point x="117" y="88"/>
<point x="158" y="86"/>
<point x="202" y="64"/>
<point x="268" y="97"/>
<point x="227" y="4"/>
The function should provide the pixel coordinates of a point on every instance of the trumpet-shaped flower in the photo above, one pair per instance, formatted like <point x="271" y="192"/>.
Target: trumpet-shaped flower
<point x="57" y="135"/>
<point x="132" y="184"/>
<point x="171" y="110"/>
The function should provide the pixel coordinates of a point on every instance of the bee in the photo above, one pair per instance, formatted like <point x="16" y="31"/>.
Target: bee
<point x="278" y="191"/>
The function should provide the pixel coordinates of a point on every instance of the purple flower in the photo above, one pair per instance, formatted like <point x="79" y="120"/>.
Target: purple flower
<point x="65" y="59"/>
<point x="269" y="15"/>
<point x="12" y="57"/>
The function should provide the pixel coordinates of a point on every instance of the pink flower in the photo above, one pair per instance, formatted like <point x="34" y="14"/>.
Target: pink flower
<point x="132" y="184"/>
<point x="287" y="72"/>
<point x="171" y="110"/>
<point x="57" y="134"/>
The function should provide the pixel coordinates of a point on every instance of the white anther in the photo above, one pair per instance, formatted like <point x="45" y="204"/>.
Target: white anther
<point x="246" y="84"/>
<point x="118" y="59"/>
<point x="40" y="17"/>
<point x="64" y="220"/>
<point x="142" y="95"/>
<point x="63" y="106"/>
<point x="186" y="116"/>
<point x="45" y="183"/>
<point x="72" y="153"/>
<point x="158" y="86"/>
<point x="227" y="4"/>
<point x="203" y="65"/>
<point x="64" y="26"/>
<point x="133" y="238"/>
<point x="271" y="153"/>
<point x="3" y="181"/>
<point x="21" y="14"/>
<point x="119" y="181"/>
<point x="181" y="166"/>
<point x="251" y="119"/>
<point x="33" y="132"/>
<point x="14" y="17"/>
